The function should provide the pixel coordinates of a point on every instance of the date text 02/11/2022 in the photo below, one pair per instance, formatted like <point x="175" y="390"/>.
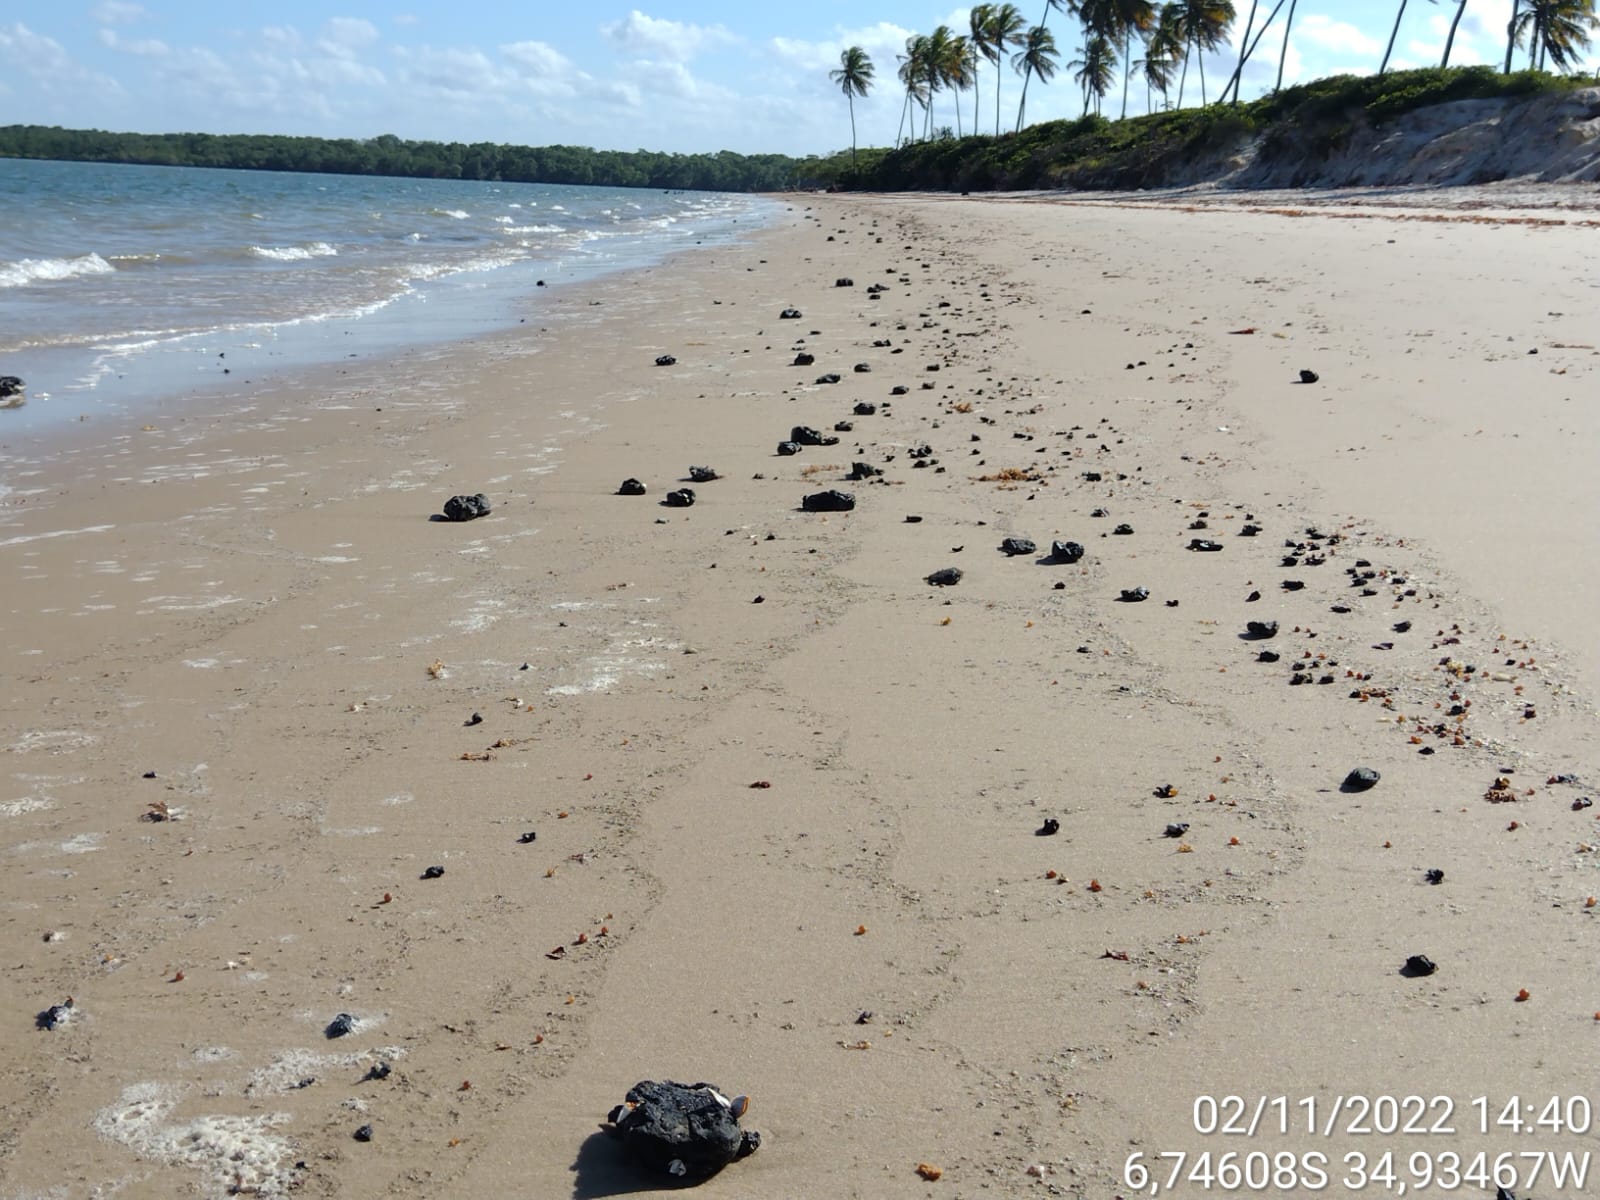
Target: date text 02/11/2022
<point x="1391" y="1116"/>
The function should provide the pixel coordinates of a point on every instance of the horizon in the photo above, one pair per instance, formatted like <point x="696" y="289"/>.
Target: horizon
<point x="684" y="78"/>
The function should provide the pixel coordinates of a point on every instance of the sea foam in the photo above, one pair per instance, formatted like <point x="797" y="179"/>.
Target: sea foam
<point x="294" y="253"/>
<point x="49" y="270"/>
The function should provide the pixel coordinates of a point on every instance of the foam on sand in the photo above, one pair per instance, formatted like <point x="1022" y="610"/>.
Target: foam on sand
<point x="237" y="1154"/>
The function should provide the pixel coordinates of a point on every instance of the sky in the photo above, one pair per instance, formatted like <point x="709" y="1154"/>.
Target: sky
<point x="685" y="77"/>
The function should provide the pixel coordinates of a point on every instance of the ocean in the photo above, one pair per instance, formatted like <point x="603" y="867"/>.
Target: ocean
<point x="124" y="285"/>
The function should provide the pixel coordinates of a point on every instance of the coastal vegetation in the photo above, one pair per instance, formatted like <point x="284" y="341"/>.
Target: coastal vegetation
<point x="390" y="155"/>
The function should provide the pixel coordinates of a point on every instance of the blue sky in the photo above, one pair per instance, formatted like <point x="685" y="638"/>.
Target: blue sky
<point x="696" y="76"/>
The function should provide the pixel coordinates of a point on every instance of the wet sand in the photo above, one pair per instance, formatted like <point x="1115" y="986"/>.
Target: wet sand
<point x="877" y="947"/>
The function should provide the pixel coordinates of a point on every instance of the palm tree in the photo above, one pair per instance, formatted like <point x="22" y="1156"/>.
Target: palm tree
<point x="1450" y="41"/>
<point x="955" y="69"/>
<point x="978" y="39"/>
<point x="1162" y="51"/>
<point x="1557" y="30"/>
<point x="1038" y="56"/>
<point x="1394" y="33"/>
<point x="1283" y="55"/>
<point x="1071" y="8"/>
<point x="1205" y="25"/>
<point x="1096" y="70"/>
<point x="912" y="73"/>
<point x="936" y="70"/>
<point x="854" y="77"/>
<point x="1511" y="33"/>
<point x="1118" y="21"/>
<point x="1003" y="30"/>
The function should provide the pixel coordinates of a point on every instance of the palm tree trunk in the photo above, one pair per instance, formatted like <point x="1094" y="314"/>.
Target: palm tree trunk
<point x="852" y="101"/>
<point x="1394" y="33"/>
<point x="1244" y="55"/>
<point x="1283" y="55"/>
<point x="1247" y="49"/>
<point x="1184" y="75"/>
<point x="1127" y="44"/>
<point x="1200" y="61"/>
<point x="1023" y="106"/>
<point x="1511" y="34"/>
<point x="1451" y="39"/>
<point x="976" y="96"/>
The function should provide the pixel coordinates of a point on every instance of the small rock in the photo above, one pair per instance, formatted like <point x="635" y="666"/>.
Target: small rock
<point x="56" y="1015"/>
<point x="1123" y="530"/>
<point x="790" y="314"/>
<point x="843" y="426"/>
<point x="364" y="1134"/>
<point x="804" y="360"/>
<point x="862" y="368"/>
<point x="433" y="873"/>
<point x="1417" y="966"/>
<point x="681" y="498"/>
<point x="466" y="508"/>
<point x="1050" y="828"/>
<point x="1434" y="876"/>
<point x="666" y="360"/>
<point x="1268" y="656"/>
<point x="341" y="1026"/>
<point x="1360" y="780"/>
<point x="10" y="387"/>
<point x="913" y="519"/>
<point x="1066" y="552"/>
<point x="1177" y="830"/>
<point x="861" y="470"/>
<point x="378" y="1072"/>
<point x="788" y="449"/>
<point x="899" y="389"/>
<point x="830" y="377"/>
<point x="946" y="577"/>
<point x="474" y="719"/>
<point x="829" y="501"/>
<point x="1309" y="377"/>
<point x="631" y="487"/>
<point x="807" y="436"/>
<point x="1014" y="546"/>
<point x="1205" y="545"/>
<point x="865" y="408"/>
<point x="528" y="838"/>
<point x="1134" y="595"/>
<point x="1261" y="629"/>
<point x="844" y="281"/>
<point x="703" y="474"/>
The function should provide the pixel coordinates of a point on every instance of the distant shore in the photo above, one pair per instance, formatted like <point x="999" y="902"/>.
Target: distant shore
<point x="790" y="804"/>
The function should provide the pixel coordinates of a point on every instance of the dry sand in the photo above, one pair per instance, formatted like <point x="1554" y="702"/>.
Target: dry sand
<point x="246" y="598"/>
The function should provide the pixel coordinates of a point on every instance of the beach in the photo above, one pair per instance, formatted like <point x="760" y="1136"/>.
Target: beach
<point x="788" y="801"/>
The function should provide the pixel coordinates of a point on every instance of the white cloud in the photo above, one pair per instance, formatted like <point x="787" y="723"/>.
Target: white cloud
<point x="346" y="35"/>
<point x="50" y="69"/>
<point x="674" y="40"/>
<point x="1338" y="37"/>
<point x="881" y="42"/>
<point x="406" y="19"/>
<point x="139" y="47"/>
<point x="118" y="12"/>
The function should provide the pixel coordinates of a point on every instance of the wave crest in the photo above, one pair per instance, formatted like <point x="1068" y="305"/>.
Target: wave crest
<point x="50" y="270"/>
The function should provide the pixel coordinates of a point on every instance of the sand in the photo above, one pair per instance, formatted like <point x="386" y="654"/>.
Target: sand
<point x="244" y="596"/>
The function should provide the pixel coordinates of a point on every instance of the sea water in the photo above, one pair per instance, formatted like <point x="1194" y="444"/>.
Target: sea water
<point x="123" y="285"/>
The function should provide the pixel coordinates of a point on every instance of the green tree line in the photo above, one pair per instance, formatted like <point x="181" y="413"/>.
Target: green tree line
<point x="390" y="155"/>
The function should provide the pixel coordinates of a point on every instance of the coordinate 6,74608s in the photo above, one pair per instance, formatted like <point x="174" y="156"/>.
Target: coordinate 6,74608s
<point x="1388" y="1172"/>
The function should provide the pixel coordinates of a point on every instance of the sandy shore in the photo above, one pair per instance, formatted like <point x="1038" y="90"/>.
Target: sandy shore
<point x="876" y="945"/>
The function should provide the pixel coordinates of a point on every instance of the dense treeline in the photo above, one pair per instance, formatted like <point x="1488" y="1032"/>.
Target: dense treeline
<point x="1306" y="122"/>
<point x="390" y="155"/>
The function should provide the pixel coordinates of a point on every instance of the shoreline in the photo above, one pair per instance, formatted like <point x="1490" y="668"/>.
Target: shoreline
<point x="259" y="630"/>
